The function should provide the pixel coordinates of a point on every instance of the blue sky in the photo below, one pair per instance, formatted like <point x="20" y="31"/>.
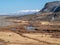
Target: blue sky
<point x="9" y="6"/>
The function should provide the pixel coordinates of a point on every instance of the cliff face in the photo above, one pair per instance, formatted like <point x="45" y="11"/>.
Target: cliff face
<point x="51" y="7"/>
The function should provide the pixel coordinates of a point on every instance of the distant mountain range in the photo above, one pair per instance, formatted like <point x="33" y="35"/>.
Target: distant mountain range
<point x="22" y="12"/>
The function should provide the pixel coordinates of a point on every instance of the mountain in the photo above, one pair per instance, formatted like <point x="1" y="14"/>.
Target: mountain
<point x="51" y="7"/>
<point x="50" y="12"/>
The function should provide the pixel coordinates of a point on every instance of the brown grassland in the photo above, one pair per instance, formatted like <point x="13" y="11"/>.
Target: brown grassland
<point x="44" y="34"/>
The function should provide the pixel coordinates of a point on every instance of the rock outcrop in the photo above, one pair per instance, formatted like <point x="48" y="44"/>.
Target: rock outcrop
<point x="51" y="7"/>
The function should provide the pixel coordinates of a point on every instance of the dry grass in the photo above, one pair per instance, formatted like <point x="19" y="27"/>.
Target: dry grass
<point x="14" y="38"/>
<point x="21" y="36"/>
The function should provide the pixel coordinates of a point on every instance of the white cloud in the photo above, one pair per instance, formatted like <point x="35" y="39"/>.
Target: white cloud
<point x="20" y="11"/>
<point x="28" y="11"/>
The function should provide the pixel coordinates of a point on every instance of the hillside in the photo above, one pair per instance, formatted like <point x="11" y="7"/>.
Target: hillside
<point x="50" y="12"/>
<point x="51" y="7"/>
<point x="41" y="28"/>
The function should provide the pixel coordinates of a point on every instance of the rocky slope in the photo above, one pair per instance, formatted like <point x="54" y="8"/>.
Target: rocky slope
<point x="51" y="7"/>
